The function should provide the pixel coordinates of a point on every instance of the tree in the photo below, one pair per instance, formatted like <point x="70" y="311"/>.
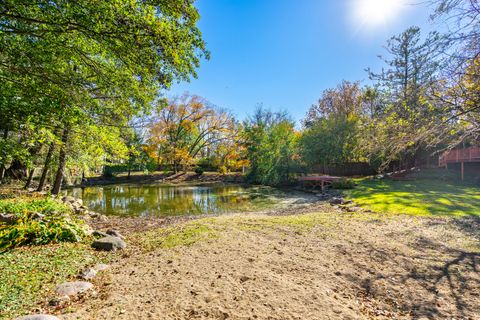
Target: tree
<point x="71" y="63"/>
<point x="186" y="128"/>
<point x="333" y="126"/>
<point x="404" y="121"/>
<point x="271" y="146"/>
<point x="457" y="98"/>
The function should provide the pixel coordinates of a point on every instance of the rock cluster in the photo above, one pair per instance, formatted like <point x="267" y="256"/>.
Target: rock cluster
<point x="77" y="206"/>
<point x="345" y="205"/>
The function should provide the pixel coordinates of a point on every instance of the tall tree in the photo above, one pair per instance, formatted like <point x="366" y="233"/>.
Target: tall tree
<point x="332" y="127"/>
<point x="407" y="113"/>
<point x="77" y="62"/>
<point x="186" y="127"/>
<point x="271" y="146"/>
<point x="457" y="96"/>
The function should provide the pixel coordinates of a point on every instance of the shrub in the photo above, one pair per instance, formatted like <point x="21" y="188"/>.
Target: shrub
<point x="21" y="206"/>
<point x="199" y="171"/>
<point x="38" y="222"/>
<point x="343" y="184"/>
<point x="222" y="170"/>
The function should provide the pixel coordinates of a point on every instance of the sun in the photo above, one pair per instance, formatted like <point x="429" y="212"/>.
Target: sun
<point x="376" y="13"/>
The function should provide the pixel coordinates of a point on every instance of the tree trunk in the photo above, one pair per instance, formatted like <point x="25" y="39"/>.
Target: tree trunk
<point x="29" y="179"/>
<point x="17" y="171"/>
<point x="2" y="166"/>
<point x="62" y="160"/>
<point x="48" y="158"/>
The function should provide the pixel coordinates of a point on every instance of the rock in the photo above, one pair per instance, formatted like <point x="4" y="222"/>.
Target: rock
<point x="68" y="199"/>
<point x="8" y="218"/>
<point x="115" y="233"/>
<point x="88" y="274"/>
<point x="38" y="317"/>
<point x="98" y="216"/>
<point x="336" y="201"/>
<point x="109" y="243"/>
<point x="58" y="301"/>
<point x="99" y="234"/>
<point x="73" y="288"/>
<point x="101" y="267"/>
<point x="38" y="216"/>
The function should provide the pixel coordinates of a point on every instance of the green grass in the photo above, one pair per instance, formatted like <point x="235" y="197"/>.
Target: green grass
<point x="182" y="235"/>
<point x="420" y="197"/>
<point x="28" y="274"/>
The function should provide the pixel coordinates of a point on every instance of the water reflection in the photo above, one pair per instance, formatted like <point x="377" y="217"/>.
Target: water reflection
<point x="164" y="200"/>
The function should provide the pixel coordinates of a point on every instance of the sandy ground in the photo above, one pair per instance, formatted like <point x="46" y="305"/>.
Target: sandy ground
<point x="329" y="266"/>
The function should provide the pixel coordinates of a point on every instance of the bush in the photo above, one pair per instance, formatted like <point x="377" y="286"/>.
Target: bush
<point x="199" y="171"/>
<point x="109" y="172"/>
<point x="38" y="222"/>
<point x="222" y="170"/>
<point x="343" y="184"/>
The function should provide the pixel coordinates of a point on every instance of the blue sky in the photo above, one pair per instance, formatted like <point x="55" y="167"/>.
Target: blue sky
<point x="284" y="53"/>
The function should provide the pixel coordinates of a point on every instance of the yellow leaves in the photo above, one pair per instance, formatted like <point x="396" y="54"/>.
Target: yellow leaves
<point x="187" y="127"/>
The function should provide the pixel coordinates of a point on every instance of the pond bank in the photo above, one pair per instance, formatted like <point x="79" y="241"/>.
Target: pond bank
<point x="161" y="177"/>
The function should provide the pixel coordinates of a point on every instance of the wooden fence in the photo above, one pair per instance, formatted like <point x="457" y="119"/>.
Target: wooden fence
<point x="345" y="170"/>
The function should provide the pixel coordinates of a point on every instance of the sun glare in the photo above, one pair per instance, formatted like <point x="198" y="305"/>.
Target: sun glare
<point x="375" y="13"/>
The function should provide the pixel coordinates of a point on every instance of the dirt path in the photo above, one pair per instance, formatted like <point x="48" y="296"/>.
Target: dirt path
<point x="311" y="266"/>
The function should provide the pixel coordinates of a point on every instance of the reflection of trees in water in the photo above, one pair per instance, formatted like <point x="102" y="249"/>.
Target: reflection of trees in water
<point x="173" y="200"/>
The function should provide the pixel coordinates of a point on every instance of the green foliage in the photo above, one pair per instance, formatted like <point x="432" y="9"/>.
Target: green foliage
<point x="332" y="141"/>
<point x="271" y="143"/>
<point x="343" y="184"/>
<point x="199" y="170"/>
<point x="333" y="127"/>
<point x="70" y="65"/>
<point x="26" y="206"/>
<point x="38" y="222"/>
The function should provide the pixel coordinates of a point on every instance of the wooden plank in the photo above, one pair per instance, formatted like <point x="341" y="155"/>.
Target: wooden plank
<point x="463" y="176"/>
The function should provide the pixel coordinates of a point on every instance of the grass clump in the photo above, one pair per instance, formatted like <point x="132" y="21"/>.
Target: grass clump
<point x="29" y="273"/>
<point x="343" y="184"/>
<point x="182" y="235"/>
<point x="296" y="223"/>
<point x="37" y="221"/>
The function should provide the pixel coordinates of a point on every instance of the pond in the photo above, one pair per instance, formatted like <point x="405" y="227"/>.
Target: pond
<point x="156" y="200"/>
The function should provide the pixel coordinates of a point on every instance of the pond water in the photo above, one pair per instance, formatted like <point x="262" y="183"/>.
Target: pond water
<point x="171" y="200"/>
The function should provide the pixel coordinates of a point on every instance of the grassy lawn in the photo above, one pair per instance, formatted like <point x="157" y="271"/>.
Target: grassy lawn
<point x="30" y="273"/>
<point x="419" y="197"/>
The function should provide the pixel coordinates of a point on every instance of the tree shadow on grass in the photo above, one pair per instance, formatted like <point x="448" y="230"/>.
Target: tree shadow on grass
<point x="419" y="198"/>
<point x="425" y="279"/>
